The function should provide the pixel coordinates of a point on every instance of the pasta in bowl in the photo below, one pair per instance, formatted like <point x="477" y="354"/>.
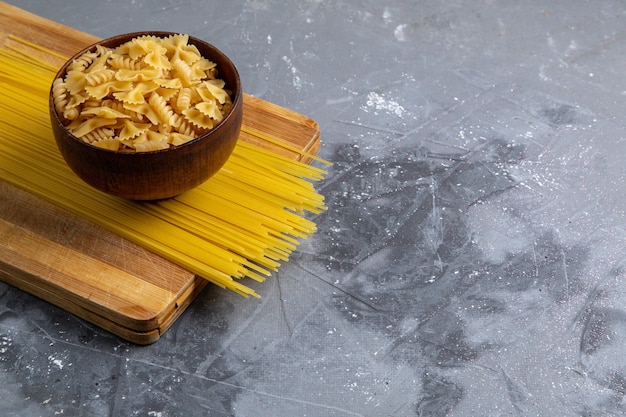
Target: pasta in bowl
<point x="146" y="115"/>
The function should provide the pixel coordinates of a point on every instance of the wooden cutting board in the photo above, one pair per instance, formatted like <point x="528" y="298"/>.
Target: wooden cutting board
<point x="83" y="268"/>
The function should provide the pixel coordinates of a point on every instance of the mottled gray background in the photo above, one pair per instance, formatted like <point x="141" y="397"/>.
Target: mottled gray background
<point x="471" y="262"/>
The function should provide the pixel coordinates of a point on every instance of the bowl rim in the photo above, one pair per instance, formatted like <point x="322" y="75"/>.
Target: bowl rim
<point x="118" y="40"/>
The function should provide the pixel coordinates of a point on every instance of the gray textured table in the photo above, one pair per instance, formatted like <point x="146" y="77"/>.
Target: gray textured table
<point x="471" y="262"/>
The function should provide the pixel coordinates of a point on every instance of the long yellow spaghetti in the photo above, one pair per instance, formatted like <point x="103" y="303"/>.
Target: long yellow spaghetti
<point x="243" y="222"/>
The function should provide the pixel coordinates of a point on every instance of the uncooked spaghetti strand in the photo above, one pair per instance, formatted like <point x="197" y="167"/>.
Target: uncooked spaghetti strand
<point x="295" y="167"/>
<point x="141" y="230"/>
<point x="282" y="144"/>
<point x="264" y="201"/>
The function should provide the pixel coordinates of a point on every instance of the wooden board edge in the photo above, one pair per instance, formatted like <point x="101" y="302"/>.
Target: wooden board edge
<point x="183" y="302"/>
<point x="141" y="335"/>
<point x="133" y="317"/>
<point x="14" y="278"/>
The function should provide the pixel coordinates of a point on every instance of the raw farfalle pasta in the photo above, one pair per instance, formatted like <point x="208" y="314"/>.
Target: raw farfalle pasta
<point x="147" y="94"/>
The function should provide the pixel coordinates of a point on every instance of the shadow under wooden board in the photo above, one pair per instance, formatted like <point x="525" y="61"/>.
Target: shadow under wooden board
<point x="77" y="265"/>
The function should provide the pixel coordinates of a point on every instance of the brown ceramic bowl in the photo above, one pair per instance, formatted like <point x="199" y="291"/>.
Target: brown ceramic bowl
<point x="158" y="174"/>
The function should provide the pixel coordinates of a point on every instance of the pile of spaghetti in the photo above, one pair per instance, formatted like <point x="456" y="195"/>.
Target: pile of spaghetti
<point x="244" y="222"/>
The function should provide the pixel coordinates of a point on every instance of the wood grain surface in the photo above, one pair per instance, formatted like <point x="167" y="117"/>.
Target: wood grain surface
<point x="83" y="268"/>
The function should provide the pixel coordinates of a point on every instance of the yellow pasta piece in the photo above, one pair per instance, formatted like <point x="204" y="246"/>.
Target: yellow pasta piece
<point x="151" y="135"/>
<point x="59" y="92"/>
<point x="165" y="129"/>
<point x="70" y="113"/>
<point x="75" y="81"/>
<point x="99" y="76"/>
<point x="100" y="91"/>
<point x="133" y="50"/>
<point x="177" y="139"/>
<point x="119" y="107"/>
<point x="185" y="127"/>
<point x="100" y="60"/>
<point x="178" y="45"/>
<point x="203" y="64"/>
<point x="166" y="93"/>
<point x="125" y="62"/>
<point x="184" y="72"/>
<point x="201" y="67"/>
<point x="210" y="108"/>
<point x="144" y="109"/>
<point x="99" y="134"/>
<point x="151" y="145"/>
<point x="155" y="53"/>
<point x="171" y="83"/>
<point x="143" y="74"/>
<point x="83" y="61"/>
<point x="110" y="144"/>
<point x="143" y="137"/>
<point x="76" y="100"/>
<point x="136" y="95"/>
<point x="91" y="124"/>
<point x="161" y="108"/>
<point x="198" y="118"/>
<point x="106" y="112"/>
<point x="132" y="130"/>
<point x="183" y="99"/>
<point x="213" y="89"/>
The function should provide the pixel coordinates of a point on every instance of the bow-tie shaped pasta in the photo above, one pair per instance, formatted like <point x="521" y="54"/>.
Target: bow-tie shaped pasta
<point x="148" y="84"/>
